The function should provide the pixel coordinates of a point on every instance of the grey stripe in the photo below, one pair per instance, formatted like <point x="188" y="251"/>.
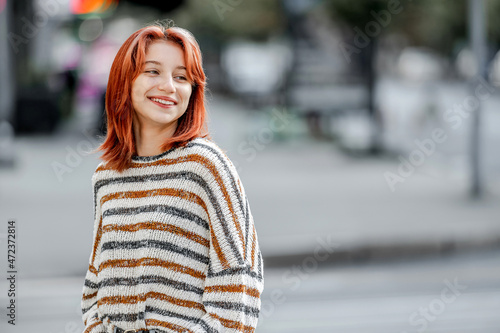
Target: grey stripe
<point x="247" y="227"/>
<point x="187" y="175"/>
<point x="85" y="310"/>
<point x="193" y="320"/>
<point x="124" y="316"/>
<point x="147" y="279"/>
<point x="248" y="310"/>
<point x="235" y="271"/>
<point x="234" y="186"/>
<point x="151" y="243"/>
<point x="157" y="208"/>
<point x="91" y="284"/>
<point x="133" y="317"/>
<point x="226" y="168"/>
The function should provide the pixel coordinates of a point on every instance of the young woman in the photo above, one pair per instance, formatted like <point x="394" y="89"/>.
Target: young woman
<point x="175" y="247"/>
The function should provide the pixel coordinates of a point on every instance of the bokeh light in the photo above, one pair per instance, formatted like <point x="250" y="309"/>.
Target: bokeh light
<point x="90" y="29"/>
<point x="92" y="6"/>
<point x="3" y="4"/>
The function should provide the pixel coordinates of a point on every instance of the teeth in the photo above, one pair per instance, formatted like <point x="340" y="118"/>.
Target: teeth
<point x="162" y="101"/>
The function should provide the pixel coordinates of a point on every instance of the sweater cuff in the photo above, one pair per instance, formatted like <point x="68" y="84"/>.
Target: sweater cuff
<point x="94" y="325"/>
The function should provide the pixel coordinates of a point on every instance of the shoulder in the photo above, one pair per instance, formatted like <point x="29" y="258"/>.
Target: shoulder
<point x="209" y="151"/>
<point x="212" y="157"/>
<point x="101" y="172"/>
<point x="204" y="145"/>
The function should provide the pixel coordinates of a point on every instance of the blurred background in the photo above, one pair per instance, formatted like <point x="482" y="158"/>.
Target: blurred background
<point x="366" y="134"/>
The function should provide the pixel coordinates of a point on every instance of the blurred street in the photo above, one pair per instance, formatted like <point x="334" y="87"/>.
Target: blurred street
<point x="321" y="198"/>
<point x="366" y="138"/>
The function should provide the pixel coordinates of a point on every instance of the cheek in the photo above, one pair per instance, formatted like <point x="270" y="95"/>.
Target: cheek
<point x="140" y="86"/>
<point x="186" y="95"/>
<point x="135" y="91"/>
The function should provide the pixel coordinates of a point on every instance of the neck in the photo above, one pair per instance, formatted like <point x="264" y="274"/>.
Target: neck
<point x="149" y="140"/>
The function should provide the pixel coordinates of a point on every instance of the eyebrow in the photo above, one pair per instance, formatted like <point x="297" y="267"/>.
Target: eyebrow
<point x="152" y="62"/>
<point x="159" y="64"/>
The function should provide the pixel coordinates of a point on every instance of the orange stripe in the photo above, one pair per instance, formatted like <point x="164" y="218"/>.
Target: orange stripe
<point x="150" y="225"/>
<point x="177" y="328"/>
<point x="97" y="240"/>
<point x="143" y="297"/>
<point x="233" y="288"/>
<point x="218" y="250"/>
<point x="186" y="195"/>
<point x="89" y="296"/>
<point x="254" y="242"/>
<point x="151" y="262"/>
<point x="233" y="324"/>
<point x="92" y="269"/>
<point x="89" y="329"/>
<point x="210" y="166"/>
<point x="240" y="186"/>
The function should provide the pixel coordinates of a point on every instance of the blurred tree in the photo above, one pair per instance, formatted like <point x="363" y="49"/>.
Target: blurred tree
<point x="439" y="25"/>
<point x="216" y="22"/>
<point x="229" y="19"/>
<point x="492" y="10"/>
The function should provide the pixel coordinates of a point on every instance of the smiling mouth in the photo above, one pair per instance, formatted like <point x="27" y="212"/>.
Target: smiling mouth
<point x="162" y="101"/>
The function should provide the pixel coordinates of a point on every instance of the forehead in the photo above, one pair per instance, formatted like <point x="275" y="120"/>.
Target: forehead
<point x="165" y="52"/>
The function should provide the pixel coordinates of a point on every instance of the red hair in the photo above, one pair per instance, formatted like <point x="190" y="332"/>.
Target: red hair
<point x="119" y="144"/>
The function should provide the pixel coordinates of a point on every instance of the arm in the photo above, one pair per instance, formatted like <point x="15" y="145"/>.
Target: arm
<point x="89" y="304"/>
<point x="234" y="281"/>
<point x="90" y="315"/>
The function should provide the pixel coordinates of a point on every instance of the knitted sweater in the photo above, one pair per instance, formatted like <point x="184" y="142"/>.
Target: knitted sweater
<point x="175" y="247"/>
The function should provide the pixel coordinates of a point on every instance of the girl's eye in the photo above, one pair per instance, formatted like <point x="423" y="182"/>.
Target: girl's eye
<point x="180" y="77"/>
<point x="152" y="71"/>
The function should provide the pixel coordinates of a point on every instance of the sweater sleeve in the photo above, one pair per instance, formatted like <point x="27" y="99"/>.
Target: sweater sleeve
<point x="234" y="281"/>
<point x="90" y="314"/>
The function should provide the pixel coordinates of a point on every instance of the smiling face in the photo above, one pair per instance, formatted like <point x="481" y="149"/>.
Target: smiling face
<point x="160" y="94"/>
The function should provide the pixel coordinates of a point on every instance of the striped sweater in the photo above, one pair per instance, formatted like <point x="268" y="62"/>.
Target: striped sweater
<point x="175" y="247"/>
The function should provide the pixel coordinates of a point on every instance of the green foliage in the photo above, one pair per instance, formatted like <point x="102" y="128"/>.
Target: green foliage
<point x="253" y="19"/>
<point x="492" y="10"/>
<point x="437" y="24"/>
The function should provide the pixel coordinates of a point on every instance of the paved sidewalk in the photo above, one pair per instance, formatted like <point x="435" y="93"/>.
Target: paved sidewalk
<point x="304" y="199"/>
<point x="307" y="196"/>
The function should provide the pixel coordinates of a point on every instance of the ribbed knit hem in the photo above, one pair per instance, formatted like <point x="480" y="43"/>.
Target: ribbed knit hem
<point x="152" y="158"/>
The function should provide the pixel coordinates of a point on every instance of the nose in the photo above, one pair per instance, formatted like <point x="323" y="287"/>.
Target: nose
<point x="167" y="84"/>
